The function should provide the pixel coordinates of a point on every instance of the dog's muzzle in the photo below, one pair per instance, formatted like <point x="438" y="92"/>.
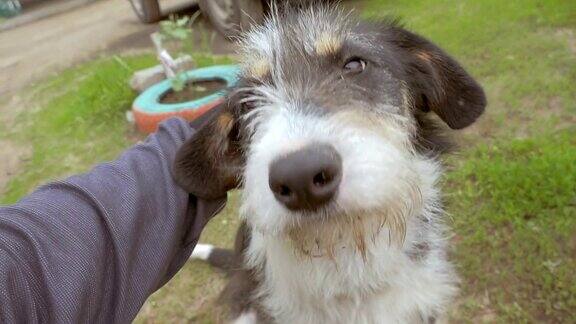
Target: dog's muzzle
<point x="306" y="179"/>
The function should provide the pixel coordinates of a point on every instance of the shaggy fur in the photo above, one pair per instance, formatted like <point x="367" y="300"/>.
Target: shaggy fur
<point x="376" y="252"/>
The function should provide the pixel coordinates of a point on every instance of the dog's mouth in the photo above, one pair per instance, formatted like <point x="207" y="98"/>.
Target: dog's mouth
<point x="317" y="216"/>
<point x="335" y="228"/>
<point x="329" y="231"/>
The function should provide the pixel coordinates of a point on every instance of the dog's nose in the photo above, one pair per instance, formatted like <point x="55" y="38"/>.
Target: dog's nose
<point x="308" y="178"/>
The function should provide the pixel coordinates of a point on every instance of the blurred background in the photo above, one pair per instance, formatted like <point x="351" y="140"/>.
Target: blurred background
<point x="71" y="72"/>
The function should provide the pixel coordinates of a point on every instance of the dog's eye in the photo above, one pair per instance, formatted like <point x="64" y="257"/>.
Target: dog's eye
<point x="355" y="65"/>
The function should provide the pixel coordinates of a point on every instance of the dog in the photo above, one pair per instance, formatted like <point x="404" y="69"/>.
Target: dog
<point x="335" y="133"/>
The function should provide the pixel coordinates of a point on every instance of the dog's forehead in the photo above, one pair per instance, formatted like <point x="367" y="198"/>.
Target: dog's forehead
<point x="298" y="58"/>
<point x="295" y="35"/>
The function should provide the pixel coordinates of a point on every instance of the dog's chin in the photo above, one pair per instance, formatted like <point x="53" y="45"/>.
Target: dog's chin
<point x="326" y="234"/>
<point x="328" y="230"/>
<point x="311" y="216"/>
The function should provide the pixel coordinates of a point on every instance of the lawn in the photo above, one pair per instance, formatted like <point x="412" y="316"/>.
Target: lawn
<point x="510" y="190"/>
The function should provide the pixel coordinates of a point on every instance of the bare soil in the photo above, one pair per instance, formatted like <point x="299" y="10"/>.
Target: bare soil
<point x="37" y="49"/>
<point x="193" y="90"/>
<point x="11" y="157"/>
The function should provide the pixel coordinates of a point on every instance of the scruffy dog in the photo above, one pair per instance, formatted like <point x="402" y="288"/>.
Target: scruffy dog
<point x="334" y="134"/>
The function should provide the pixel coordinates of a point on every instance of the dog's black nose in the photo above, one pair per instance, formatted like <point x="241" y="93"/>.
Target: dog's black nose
<point x="308" y="178"/>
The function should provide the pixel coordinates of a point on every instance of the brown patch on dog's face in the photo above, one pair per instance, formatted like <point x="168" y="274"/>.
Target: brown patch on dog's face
<point x="334" y="234"/>
<point x="225" y="123"/>
<point x="351" y="231"/>
<point x="328" y="44"/>
<point x="424" y="56"/>
<point x="258" y="69"/>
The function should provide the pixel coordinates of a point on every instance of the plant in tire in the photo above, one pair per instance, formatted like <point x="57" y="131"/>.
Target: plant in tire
<point x="177" y="33"/>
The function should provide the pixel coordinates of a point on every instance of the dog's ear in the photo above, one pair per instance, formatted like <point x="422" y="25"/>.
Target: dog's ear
<point x="210" y="162"/>
<point x="437" y="82"/>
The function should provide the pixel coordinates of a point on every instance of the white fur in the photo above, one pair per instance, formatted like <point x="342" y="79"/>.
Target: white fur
<point x="388" y="288"/>
<point x="379" y="169"/>
<point x="202" y="251"/>
<point x="246" y="318"/>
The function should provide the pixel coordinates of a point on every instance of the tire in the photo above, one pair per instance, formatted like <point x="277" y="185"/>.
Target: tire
<point x="148" y="11"/>
<point x="231" y="17"/>
<point x="148" y="111"/>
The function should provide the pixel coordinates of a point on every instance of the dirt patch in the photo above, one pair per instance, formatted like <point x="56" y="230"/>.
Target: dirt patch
<point x="138" y="40"/>
<point x="11" y="157"/>
<point x="478" y="310"/>
<point x="193" y="91"/>
<point x="552" y="109"/>
<point x="570" y="36"/>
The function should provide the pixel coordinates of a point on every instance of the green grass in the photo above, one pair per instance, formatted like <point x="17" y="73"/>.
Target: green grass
<point x="511" y="190"/>
<point x="81" y="124"/>
<point x="514" y="212"/>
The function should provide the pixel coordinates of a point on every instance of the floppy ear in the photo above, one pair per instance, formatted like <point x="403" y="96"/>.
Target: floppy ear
<point x="210" y="162"/>
<point x="437" y="82"/>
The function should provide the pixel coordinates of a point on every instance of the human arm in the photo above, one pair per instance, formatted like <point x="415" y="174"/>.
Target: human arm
<point x="93" y="247"/>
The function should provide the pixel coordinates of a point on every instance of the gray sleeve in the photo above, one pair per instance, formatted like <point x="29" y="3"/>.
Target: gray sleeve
<point x="92" y="248"/>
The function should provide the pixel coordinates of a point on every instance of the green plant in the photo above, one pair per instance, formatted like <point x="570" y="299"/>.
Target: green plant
<point x="176" y="28"/>
<point x="178" y="31"/>
<point x="178" y="82"/>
